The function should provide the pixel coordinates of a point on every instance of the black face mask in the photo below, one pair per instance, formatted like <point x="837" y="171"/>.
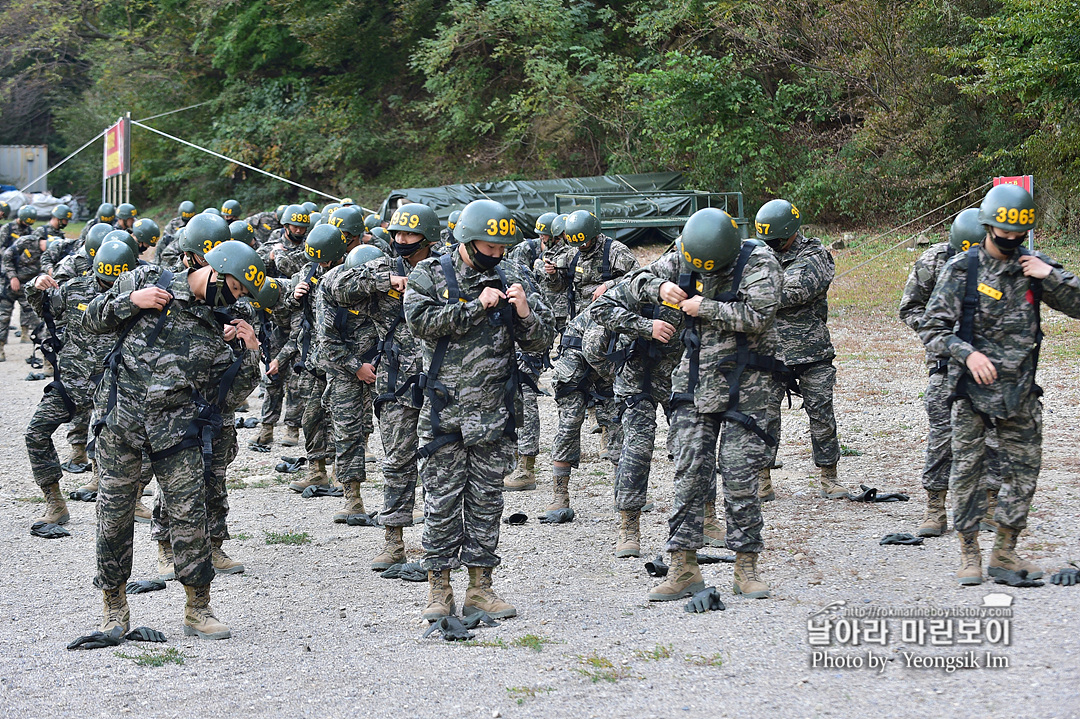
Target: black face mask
<point x="224" y="298"/>
<point x="776" y="244"/>
<point x="1006" y="245"/>
<point x="478" y="258"/>
<point x="404" y="250"/>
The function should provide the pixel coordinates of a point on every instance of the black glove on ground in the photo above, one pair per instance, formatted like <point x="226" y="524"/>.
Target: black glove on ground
<point x="475" y="617"/>
<point x="707" y="600"/>
<point x="361" y="520"/>
<point x="1016" y="579"/>
<point x="715" y="559"/>
<point x="290" y="465"/>
<point x="48" y="530"/>
<point x="452" y="630"/>
<point x="143" y="586"/>
<point x="99" y="640"/>
<point x="145" y="634"/>
<point x="656" y="568"/>
<point x="322" y="490"/>
<point x="407" y="571"/>
<point x="516" y="518"/>
<point x="1066" y="577"/>
<point x="83" y="495"/>
<point x="558" y="516"/>
<point x="900" y="538"/>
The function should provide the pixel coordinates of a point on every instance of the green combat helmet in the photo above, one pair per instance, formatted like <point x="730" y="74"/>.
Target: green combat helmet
<point x="204" y="233"/>
<point x="347" y="202"/>
<point x="418" y="218"/>
<point x="239" y="261"/>
<point x="5" y="210"/>
<point x="27" y="215"/>
<point x="710" y="241"/>
<point x="112" y="260"/>
<point x="187" y="210"/>
<point x="452" y="220"/>
<point x="1009" y="208"/>
<point x="543" y="223"/>
<point x="95" y="236"/>
<point x="362" y="255"/>
<point x="105" y="212"/>
<point x="146" y="231"/>
<point x="380" y="233"/>
<point x="582" y="226"/>
<point x="280" y="211"/>
<point x="487" y="221"/>
<point x="62" y="212"/>
<point x="268" y="296"/>
<point x="372" y="221"/>
<point x="316" y="218"/>
<point x="212" y="211"/>
<point x="348" y="219"/>
<point x="777" y="221"/>
<point x="122" y="236"/>
<point x="230" y="210"/>
<point x="309" y="207"/>
<point x="558" y="225"/>
<point x="126" y="211"/>
<point x="966" y="231"/>
<point x="297" y="216"/>
<point x="325" y="244"/>
<point x="241" y="231"/>
<point x="328" y="209"/>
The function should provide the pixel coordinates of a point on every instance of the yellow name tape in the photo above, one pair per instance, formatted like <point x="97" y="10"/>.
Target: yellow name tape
<point x="989" y="291"/>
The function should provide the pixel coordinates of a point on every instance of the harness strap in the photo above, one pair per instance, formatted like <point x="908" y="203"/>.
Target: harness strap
<point x="307" y="320"/>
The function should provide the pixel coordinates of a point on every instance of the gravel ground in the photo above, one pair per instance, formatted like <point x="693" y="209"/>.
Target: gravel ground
<point x="315" y="633"/>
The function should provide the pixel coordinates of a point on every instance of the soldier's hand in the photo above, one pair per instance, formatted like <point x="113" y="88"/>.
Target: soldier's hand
<point x="671" y="292"/>
<point x="150" y="298"/>
<point x="398" y="282"/>
<point x="246" y="333"/>
<point x="230" y="333"/>
<point x="490" y="297"/>
<point x="301" y="290"/>
<point x="46" y="282"/>
<point x="600" y="289"/>
<point x="366" y="373"/>
<point x="662" y="331"/>
<point x="981" y="368"/>
<point x="515" y="295"/>
<point x="1034" y="267"/>
<point x="549" y="268"/>
<point x="15" y="284"/>
<point x="272" y="370"/>
<point x="691" y="306"/>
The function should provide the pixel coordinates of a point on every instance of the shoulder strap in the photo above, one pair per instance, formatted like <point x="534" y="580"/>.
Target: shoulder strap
<point x="966" y="331"/>
<point x="736" y="277"/>
<point x="605" y="260"/>
<point x="453" y="289"/>
<point x="1036" y="287"/>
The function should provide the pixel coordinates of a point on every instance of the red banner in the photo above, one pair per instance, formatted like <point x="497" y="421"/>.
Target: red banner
<point x="1025" y="181"/>
<point x="116" y="149"/>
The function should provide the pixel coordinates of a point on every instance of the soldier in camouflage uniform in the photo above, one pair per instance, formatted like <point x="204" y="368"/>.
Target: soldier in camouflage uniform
<point x="170" y="234"/>
<point x="265" y="223"/>
<point x="169" y="363"/>
<point x="966" y="232"/>
<point x="993" y="351"/>
<point x="551" y="269"/>
<point x="730" y="293"/>
<point x="378" y="285"/>
<point x="81" y="359"/>
<point x="15" y="271"/>
<point x="106" y="213"/>
<point x="126" y="214"/>
<point x="804" y="339"/>
<point x="470" y="312"/>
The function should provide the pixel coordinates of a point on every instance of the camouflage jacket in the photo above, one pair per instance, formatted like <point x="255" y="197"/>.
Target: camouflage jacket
<point x="76" y="264"/>
<point x="169" y="235"/>
<point x="648" y="359"/>
<point x="481" y="357"/>
<point x="82" y="355"/>
<point x="300" y="321"/>
<point x="558" y="253"/>
<point x="804" y="306"/>
<point x="586" y="268"/>
<point x="753" y="312"/>
<point x="282" y="257"/>
<point x="57" y="250"/>
<point x="11" y="232"/>
<point x="368" y="287"/>
<point x="264" y="224"/>
<point x="86" y="228"/>
<point x="23" y="259"/>
<point x="156" y="383"/>
<point x="1005" y="326"/>
<point x="919" y="287"/>
<point x="346" y="334"/>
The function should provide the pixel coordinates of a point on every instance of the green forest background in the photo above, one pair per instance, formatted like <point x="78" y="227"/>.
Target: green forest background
<point x="860" y="111"/>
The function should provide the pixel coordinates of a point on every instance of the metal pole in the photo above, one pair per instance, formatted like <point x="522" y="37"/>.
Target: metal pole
<point x="127" y="155"/>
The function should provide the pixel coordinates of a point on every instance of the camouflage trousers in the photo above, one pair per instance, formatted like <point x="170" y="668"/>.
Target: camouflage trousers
<point x="48" y="417"/>
<point x="742" y="454"/>
<point x="348" y="401"/>
<point x="939" y="440"/>
<point x="639" y="440"/>
<point x="181" y="479"/>
<point x="397" y="426"/>
<point x="463" y="503"/>
<point x="282" y="391"/>
<point x="816" y="381"/>
<point x="577" y="385"/>
<point x="27" y="316"/>
<point x="528" y="443"/>
<point x="79" y="429"/>
<point x="1020" y="453"/>
<point x="217" y="496"/>
<point x="310" y="395"/>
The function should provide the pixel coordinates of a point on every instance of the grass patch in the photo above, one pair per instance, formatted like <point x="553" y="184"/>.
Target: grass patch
<point x="287" y="537"/>
<point x="31" y="500"/>
<point x="846" y="451"/>
<point x="655" y="654"/>
<point x="496" y="643"/>
<point x="520" y="694"/>
<point x="601" y="669"/>
<point x="241" y="536"/>
<point x="713" y="660"/>
<point x="531" y="641"/>
<point x="236" y="484"/>
<point x="155" y="657"/>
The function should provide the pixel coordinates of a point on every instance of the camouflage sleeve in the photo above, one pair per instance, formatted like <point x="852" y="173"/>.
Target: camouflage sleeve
<point x="265" y="252"/>
<point x="920" y="284"/>
<point x="36" y="298"/>
<point x="644" y="286"/>
<point x="428" y="316"/>
<point x="623" y="261"/>
<point x="286" y="356"/>
<point x="760" y="297"/>
<point x="246" y="379"/>
<point x="356" y="284"/>
<point x="7" y="264"/>
<point x="109" y="310"/>
<point x="535" y="332"/>
<point x="1061" y="290"/>
<point x="617" y="310"/>
<point x="943" y="312"/>
<point x="808" y="277"/>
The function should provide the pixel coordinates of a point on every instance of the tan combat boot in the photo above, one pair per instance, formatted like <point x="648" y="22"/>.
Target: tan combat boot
<point x="988" y="523"/>
<point x="25" y="337"/>
<point x="561" y="494"/>
<point x="715" y="531"/>
<point x="316" y="476"/>
<point x="747" y="582"/>
<point x="1003" y="557"/>
<point x="936" y="520"/>
<point x="830" y="488"/>
<point x="354" y="502"/>
<point x="3" y="357"/>
<point x="199" y="619"/>
<point x="523" y="478"/>
<point x="266" y="434"/>
<point x="393" y="552"/>
<point x="440" y="596"/>
<point x="480" y="597"/>
<point x="292" y="437"/>
<point x="765" y="490"/>
<point x="683" y="578"/>
<point x="78" y="455"/>
<point x="56" y="511"/>
<point x="143" y="514"/>
<point x="606" y="450"/>
<point x="116" y="612"/>
<point x="223" y="563"/>
<point x="629" y="544"/>
<point x="970" y="571"/>
<point x="91" y="486"/>
<point x="166" y="564"/>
